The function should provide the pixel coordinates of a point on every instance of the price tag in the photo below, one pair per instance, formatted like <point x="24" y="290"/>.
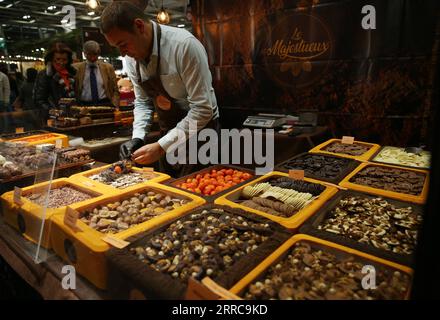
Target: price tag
<point x="347" y="140"/>
<point x="148" y="169"/>
<point x="17" y="196"/>
<point x="88" y="184"/>
<point x="296" y="174"/>
<point x="71" y="218"/>
<point x="19" y="130"/>
<point x="198" y="291"/>
<point x="58" y="143"/>
<point x="115" y="242"/>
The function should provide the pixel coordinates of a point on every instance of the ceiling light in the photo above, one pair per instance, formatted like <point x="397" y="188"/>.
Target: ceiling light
<point x="91" y="13"/>
<point x="51" y="7"/>
<point x="92" y="4"/>
<point x="64" y="21"/>
<point x="9" y="5"/>
<point x="180" y="26"/>
<point x="163" y="16"/>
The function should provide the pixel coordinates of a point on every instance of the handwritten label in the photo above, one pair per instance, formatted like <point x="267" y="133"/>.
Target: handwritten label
<point x="71" y="219"/>
<point x="17" y="196"/>
<point x="198" y="291"/>
<point x="347" y="140"/>
<point x="296" y="174"/>
<point x="115" y="242"/>
<point x="19" y="130"/>
<point x="58" y="143"/>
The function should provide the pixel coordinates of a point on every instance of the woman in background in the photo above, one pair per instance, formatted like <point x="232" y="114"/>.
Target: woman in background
<point x="57" y="80"/>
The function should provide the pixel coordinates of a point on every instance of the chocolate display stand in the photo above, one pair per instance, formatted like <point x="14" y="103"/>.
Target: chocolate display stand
<point x="311" y="227"/>
<point x="46" y="277"/>
<point x="42" y="174"/>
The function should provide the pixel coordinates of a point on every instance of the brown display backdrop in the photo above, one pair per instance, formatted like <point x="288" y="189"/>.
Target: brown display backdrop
<point x="285" y="56"/>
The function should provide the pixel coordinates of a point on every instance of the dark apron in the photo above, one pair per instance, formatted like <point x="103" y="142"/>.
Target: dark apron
<point x="169" y="115"/>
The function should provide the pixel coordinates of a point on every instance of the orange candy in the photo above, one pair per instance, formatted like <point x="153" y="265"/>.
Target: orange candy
<point x="215" y="181"/>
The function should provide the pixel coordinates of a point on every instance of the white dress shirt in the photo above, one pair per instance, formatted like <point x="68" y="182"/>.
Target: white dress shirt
<point x="186" y="77"/>
<point x="86" y="94"/>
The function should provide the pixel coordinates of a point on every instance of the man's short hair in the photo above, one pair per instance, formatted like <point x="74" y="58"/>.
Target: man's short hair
<point x="120" y="15"/>
<point x="91" y="47"/>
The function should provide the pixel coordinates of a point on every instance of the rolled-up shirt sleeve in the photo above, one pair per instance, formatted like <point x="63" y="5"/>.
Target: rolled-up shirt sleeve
<point x="143" y="107"/>
<point x="193" y="67"/>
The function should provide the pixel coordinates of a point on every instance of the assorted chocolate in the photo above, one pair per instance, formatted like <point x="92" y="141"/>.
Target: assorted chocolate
<point x="281" y="197"/>
<point x="391" y="179"/>
<point x="120" y="215"/>
<point x="59" y="197"/>
<point x="399" y="156"/>
<point x="202" y="244"/>
<point x="21" y="158"/>
<point x="315" y="273"/>
<point x="120" y="175"/>
<point x="319" y="166"/>
<point x="376" y="222"/>
<point x="355" y="149"/>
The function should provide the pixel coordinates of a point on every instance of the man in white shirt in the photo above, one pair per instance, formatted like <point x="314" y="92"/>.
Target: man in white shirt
<point x="170" y="73"/>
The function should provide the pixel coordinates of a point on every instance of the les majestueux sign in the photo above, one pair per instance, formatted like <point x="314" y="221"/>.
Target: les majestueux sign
<point x="297" y="49"/>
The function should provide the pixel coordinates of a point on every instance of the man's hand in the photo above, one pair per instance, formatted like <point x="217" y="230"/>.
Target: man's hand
<point x="148" y="154"/>
<point x="127" y="148"/>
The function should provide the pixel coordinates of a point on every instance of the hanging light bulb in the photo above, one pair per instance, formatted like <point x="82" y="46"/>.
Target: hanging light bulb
<point x="92" y="4"/>
<point x="163" y="16"/>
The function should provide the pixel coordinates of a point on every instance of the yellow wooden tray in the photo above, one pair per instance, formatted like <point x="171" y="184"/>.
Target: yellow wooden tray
<point x="276" y="256"/>
<point x="293" y="222"/>
<point x="40" y="139"/>
<point x="365" y="157"/>
<point x="28" y="217"/>
<point x="85" y="249"/>
<point x="391" y="194"/>
<point x="83" y="178"/>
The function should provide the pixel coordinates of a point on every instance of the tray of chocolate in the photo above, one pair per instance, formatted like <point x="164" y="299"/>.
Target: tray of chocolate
<point x="10" y="136"/>
<point x="421" y="159"/>
<point x="216" y="241"/>
<point x="383" y="227"/>
<point x="320" y="166"/>
<point x="307" y="268"/>
<point x="357" y="150"/>
<point x="19" y="160"/>
<point x="389" y="181"/>
<point x="121" y="175"/>
<point x="280" y="198"/>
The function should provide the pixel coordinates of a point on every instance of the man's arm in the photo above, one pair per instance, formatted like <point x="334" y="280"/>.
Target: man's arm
<point x="192" y="65"/>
